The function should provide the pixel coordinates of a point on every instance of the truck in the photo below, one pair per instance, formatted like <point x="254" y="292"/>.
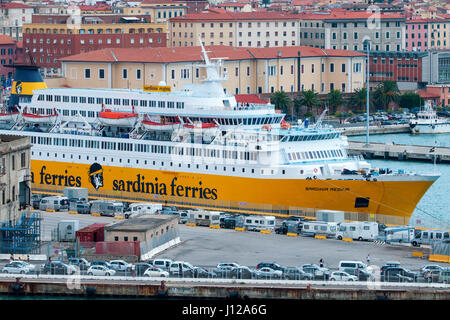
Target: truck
<point x="136" y="209"/>
<point x="107" y="208"/>
<point x="358" y="230"/>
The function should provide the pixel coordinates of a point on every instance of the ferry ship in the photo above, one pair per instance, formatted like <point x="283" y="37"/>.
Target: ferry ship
<point x="200" y="147"/>
<point x="427" y="121"/>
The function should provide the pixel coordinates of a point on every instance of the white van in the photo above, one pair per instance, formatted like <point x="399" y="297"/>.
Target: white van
<point x="185" y="267"/>
<point x="136" y="209"/>
<point x="56" y="203"/>
<point x="312" y="228"/>
<point x="429" y="237"/>
<point x="358" y="230"/>
<point x="164" y="264"/>
<point x="258" y="223"/>
<point x="352" y="265"/>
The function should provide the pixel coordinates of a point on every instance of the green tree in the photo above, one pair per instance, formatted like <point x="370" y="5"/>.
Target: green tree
<point x="386" y="92"/>
<point x="410" y="100"/>
<point x="334" y="100"/>
<point x="281" y="101"/>
<point x="308" y="99"/>
<point x="359" y="99"/>
<point x="266" y="2"/>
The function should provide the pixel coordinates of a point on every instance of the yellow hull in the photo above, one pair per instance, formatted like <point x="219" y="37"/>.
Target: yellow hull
<point x="389" y="198"/>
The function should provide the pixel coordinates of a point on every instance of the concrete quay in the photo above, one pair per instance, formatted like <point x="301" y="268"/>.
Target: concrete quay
<point x="399" y="152"/>
<point x="360" y="131"/>
<point x="233" y="289"/>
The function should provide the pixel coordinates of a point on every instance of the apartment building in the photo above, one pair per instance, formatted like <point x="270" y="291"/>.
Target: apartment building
<point x="248" y="70"/>
<point x="427" y="34"/>
<point x="12" y="17"/>
<point x="8" y="55"/>
<point x="15" y="176"/>
<point x="237" y="29"/>
<point x="159" y="10"/>
<point x="51" y="37"/>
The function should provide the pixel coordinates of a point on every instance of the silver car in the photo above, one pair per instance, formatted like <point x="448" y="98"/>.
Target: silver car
<point x="18" y="267"/>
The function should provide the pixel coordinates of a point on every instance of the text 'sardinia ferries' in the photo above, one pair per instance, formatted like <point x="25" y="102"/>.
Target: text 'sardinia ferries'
<point x="200" y="147"/>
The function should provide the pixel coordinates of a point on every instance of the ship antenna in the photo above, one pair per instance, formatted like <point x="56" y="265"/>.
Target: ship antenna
<point x="319" y="121"/>
<point x="205" y="54"/>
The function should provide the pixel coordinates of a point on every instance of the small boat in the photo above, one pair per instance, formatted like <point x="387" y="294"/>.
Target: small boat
<point x="117" y="118"/>
<point x="39" y="118"/>
<point x="9" y="116"/>
<point x="160" y="124"/>
<point x="427" y="121"/>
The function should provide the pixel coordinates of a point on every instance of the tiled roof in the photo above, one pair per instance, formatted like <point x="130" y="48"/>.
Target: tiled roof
<point x="347" y="15"/>
<point x="14" y="5"/>
<point x="185" y="54"/>
<point x="223" y="15"/>
<point x="4" y="39"/>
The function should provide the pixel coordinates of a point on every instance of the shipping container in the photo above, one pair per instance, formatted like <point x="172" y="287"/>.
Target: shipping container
<point x="92" y="233"/>
<point x="118" y="248"/>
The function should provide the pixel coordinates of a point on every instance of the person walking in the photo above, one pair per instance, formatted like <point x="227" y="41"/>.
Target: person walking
<point x="368" y="259"/>
<point x="321" y="262"/>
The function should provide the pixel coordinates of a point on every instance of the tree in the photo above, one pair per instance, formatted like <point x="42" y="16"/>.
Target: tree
<point x="334" y="99"/>
<point x="281" y="101"/>
<point x="410" y="100"/>
<point x="266" y="2"/>
<point x="386" y="92"/>
<point x="308" y="99"/>
<point x="359" y="99"/>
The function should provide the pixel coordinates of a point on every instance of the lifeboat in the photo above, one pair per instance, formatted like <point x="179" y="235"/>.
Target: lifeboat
<point x="39" y="118"/>
<point x="161" y="124"/>
<point x="9" y="116"/>
<point x="284" y="124"/>
<point x="203" y="126"/>
<point x="116" y="118"/>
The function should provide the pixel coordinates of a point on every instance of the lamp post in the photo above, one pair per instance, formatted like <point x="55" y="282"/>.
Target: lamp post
<point x="367" y="44"/>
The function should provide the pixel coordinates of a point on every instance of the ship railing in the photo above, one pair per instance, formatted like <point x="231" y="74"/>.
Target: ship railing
<point x="253" y="106"/>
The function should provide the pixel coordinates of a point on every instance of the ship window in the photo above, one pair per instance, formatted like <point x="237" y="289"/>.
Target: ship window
<point x="74" y="99"/>
<point x="99" y="100"/>
<point x="143" y="103"/>
<point x="126" y="102"/>
<point x="161" y="104"/>
<point x="117" y="102"/>
<point x="108" y="101"/>
<point x="152" y="103"/>
<point x="91" y="100"/>
<point x="41" y="97"/>
<point x="82" y="99"/>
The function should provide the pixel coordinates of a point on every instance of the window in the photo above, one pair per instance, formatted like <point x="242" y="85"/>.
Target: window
<point x="185" y="74"/>
<point x="343" y="67"/>
<point x="138" y="74"/>
<point x="124" y="73"/>
<point x="331" y="67"/>
<point x="101" y="73"/>
<point x="87" y="73"/>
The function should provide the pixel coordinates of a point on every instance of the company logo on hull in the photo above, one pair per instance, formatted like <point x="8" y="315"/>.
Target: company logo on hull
<point x="96" y="175"/>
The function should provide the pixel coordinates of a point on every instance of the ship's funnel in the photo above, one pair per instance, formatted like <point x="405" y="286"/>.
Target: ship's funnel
<point x="26" y="79"/>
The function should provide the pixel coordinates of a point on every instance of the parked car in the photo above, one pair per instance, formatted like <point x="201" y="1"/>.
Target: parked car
<point x="224" y="271"/>
<point x="57" y="267"/>
<point x="181" y="268"/>
<point x="155" y="272"/>
<point x="163" y="264"/>
<point x="83" y="208"/>
<point x="387" y="265"/>
<point x="203" y="273"/>
<point x="141" y="267"/>
<point x="81" y="263"/>
<point x="361" y="274"/>
<point x="296" y="273"/>
<point x="227" y="264"/>
<point x="342" y="276"/>
<point x="183" y="217"/>
<point x="444" y="276"/>
<point x="121" y="265"/>
<point x="18" y="267"/>
<point x="99" y="270"/>
<point x="243" y="272"/>
<point x="269" y="273"/>
<point x="428" y="268"/>
<point x="320" y="273"/>
<point x="432" y="275"/>
<point x="399" y="274"/>
<point x="272" y="265"/>
<point x="102" y="263"/>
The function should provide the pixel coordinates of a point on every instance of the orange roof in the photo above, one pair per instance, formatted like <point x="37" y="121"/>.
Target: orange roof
<point x="223" y="15"/>
<point x="14" y="5"/>
<point x="347" y="15"/>
<point x="185" y="54"/>
<point x="4" y="39"/>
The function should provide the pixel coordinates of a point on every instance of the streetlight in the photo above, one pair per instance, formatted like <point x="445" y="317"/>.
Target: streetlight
<point x="367" y="45"/>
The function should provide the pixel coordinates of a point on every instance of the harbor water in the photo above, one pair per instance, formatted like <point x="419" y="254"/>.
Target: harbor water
<point x="433" y="210"/>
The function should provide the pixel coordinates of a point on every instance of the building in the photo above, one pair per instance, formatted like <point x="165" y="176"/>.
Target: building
<point x="159" y="10"/>
<point x="237" y="29"/>
<point x="14" y="176"/>
<point x="12" y="17"/>
<point x="436" y="67"/>
<point x="347" y="30"/>
<point x="51" y="37"/>
<point x="151" y="231"/>
<point x="403" y="67"/>
<point x="438" y="93"/>
<point x="248" y="70"/>
<point x="8" y="55"/>
<point x="427" y="34"/>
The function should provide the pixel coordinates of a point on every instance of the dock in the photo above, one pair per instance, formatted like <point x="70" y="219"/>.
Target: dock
<point x="401" y="152"/>
<point x="360" y="131"/>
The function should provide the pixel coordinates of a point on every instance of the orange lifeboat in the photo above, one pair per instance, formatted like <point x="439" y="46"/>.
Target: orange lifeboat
<point x="117" y="118"/>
